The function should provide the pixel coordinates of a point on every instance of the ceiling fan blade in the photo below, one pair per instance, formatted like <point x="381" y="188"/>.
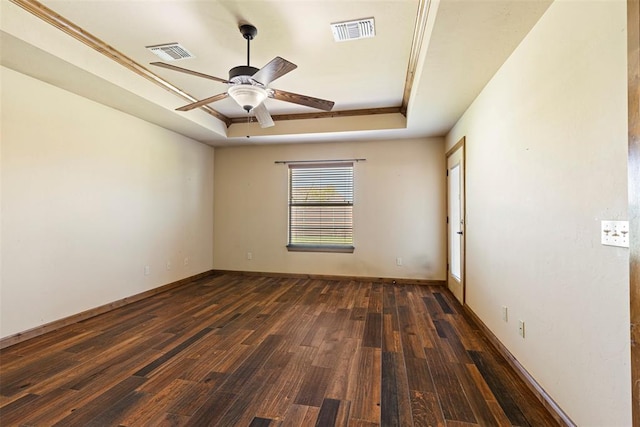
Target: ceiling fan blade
<point x="321" y="104"/>
<point x="263" y="116"/>
<point x="275" y="69"/>
<point x="184" y="70"/>
<point x="205" y="101"/>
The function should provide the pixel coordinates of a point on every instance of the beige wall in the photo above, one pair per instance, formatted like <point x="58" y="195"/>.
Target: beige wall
<point x="398" y="209"/>
<point x="546" y="161"/>
<point x="89" y="197"/>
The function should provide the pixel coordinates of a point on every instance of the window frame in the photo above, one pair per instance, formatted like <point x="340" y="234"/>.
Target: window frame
<point x="318" y="246"/>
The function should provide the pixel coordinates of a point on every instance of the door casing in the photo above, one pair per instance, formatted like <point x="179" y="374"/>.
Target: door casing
<point x="457" y="150"/>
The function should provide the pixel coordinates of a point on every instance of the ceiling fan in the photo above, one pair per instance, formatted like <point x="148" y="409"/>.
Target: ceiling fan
<point x="249" y="86"/>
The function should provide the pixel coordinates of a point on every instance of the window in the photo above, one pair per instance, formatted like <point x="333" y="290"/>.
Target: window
<point x="321" y="207"/>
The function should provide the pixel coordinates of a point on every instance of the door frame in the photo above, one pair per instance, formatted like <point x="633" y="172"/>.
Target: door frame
<point x="463" y="265"/>
<point x="633" y="170"/>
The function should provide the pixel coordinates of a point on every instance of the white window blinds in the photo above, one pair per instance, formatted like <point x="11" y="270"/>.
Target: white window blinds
<point x="321" y="205"/>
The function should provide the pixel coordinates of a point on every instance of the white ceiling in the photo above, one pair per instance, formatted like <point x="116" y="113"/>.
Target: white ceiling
<point x="463" y="43"/>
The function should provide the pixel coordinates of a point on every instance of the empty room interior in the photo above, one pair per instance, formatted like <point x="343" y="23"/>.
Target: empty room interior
<point x="310" y="212"/>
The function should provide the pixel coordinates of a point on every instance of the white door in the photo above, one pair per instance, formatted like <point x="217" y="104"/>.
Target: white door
<point x="455" y="216"/>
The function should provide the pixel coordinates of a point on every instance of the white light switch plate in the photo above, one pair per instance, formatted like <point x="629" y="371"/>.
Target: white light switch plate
<point x="615" y="233"/>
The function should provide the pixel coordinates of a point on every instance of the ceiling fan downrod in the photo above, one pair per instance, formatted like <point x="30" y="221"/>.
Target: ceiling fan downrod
<point x="242" y="73"/>
<point x="248" y="32"/>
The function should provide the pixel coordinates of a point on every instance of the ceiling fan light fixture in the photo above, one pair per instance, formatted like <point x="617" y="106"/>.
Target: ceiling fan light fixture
<point x="247" y="96"/>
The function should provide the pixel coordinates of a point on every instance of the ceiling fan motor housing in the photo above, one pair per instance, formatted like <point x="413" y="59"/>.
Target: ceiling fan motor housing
<point x="236" y="74"/>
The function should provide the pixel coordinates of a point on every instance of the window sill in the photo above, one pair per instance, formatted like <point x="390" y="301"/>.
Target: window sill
<point x="321" y="248"/>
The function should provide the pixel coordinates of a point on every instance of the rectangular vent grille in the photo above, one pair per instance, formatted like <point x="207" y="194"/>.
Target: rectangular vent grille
<point x="353" y="30"/>
<point x="171" y="51"/>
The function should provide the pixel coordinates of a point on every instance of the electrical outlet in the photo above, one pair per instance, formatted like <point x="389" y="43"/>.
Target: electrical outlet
<point x="614" y="233"/>
<point x="249" y="256"/>
<point x="505" y="314"/>
<point x="168" y="265"/>
<point x="186" y="261"/>
<point x="521" y="328"/>
<point x="146" y="270"/>
<point x="399" y="262"/>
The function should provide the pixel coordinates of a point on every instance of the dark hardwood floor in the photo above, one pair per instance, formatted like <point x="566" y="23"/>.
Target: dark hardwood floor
<point x="234" y="350"/>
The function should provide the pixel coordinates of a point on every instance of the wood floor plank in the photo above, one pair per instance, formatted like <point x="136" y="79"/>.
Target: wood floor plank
<point x="344" y="412"/>
<point x="362" y="423"/>
<point x="375" y="298"/>
<point x="452" y="423"/>
<point x="33" y="408"/>
<point x="338" y="388"/>
<point x="480" y="382"/>
<point x="68" y="401"/>
<point x="109" y="398"/>
<point x="504" y="378"/>
<point x="499" y="388"/>
<point x="426" y="409"/>
<point x="311" y="416"/>
<point x="358" y="313"/>
<point x="285" y="388"/>
<point x="13" y="357"/>
<point x="16" y="410"/>
<point x="498" y="413"/>
<point x="433" y="308"/>
<point x="236" y="350"/>
<point x="440" y="328"/>
<point x="423" y="324"/>
<point x="443" y="303"/>
<point x="38" y="370"/>
<point x="247" y="383"/>
<point x="373" y="331"/>
<point x="118" y="357"/>
<point x="481" y="410"/>
<point x="400" y="379"/>
<point x="146" y="370"/>
<point x="418" y="375"/>
<point x="297" y="414"/>
<point x="390" y="334"/>
<point x="248" y="368"/>
<point x="453" y="401"/>
<point x="454" y="342"/>
<point x="210" y="413"/>
<point x="191" y="397"/>
<point x="364" y="392"/>
<point x="328" y="414"/>
<point x="362" y="294"/>
<point x="390" y="412"/>
<point x="116" y="411"/>
<point x="337" y="324"/>
<point x="260" y="422"/>
<point x="412" y="345"/>
<point x="225" y="361"/>
<point x="249" y="398"/>
<point x="314" y="386"/>
<point x="150" y="408"/>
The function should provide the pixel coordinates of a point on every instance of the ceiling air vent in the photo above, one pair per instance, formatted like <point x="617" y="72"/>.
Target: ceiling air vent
<point x="353" y="30"/>
<point x="170" y="51"/>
